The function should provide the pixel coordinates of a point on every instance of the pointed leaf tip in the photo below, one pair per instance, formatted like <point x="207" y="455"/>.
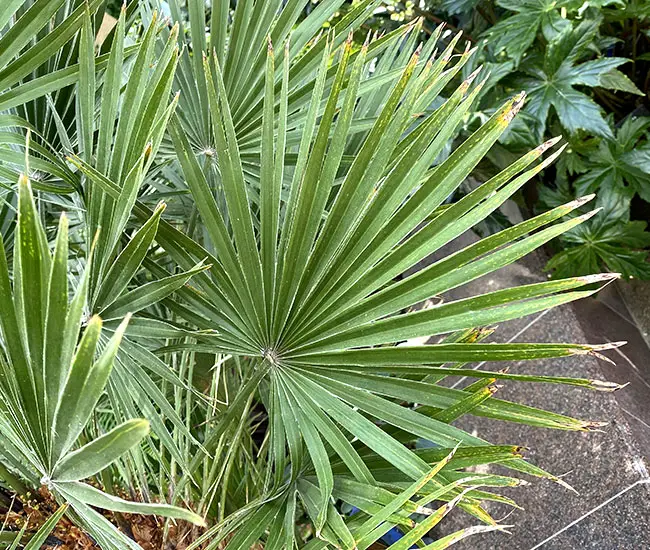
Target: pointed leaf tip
<point x="549" y="143"/>
<point x="468" y="81"/>
<point x="515" y="106"/>
<point x="367" y="40"/>
<point x="606" y="386"/>
<point x="609" y="345"/>
<point x="594" y="426"/>
<point x="598" y="277"/>
<point x="589" y="215"/>
<point x="581" y="200"/>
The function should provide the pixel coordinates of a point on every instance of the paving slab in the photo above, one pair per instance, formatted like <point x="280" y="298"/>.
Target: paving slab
<point x="636" y="295"/>
<point x="608" y="468"/>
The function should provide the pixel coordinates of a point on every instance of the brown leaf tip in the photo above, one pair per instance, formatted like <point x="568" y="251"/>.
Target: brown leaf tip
<point x="468" y="81"/>
<point x="548" y="144"/>
<point x="582" y="200"/>
<point x="598" y="278"/>
<point x="606" y="386"/>
<point x="512" y="110"/>
<point x="594" y="426"/>
<point x="609" y="345"/>
<point x="591" y="214"/>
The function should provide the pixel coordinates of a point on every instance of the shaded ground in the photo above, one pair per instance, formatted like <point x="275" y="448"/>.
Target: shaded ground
<point x="609" y="468"/>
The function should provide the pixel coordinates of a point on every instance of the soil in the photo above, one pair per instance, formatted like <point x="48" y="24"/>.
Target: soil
<point x="35" y="513"/>
<point x="147" y="531"/>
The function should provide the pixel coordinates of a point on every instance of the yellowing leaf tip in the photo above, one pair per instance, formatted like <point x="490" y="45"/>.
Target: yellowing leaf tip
<point x="580" y="201"/>
<point x="606" y="386"/>
<point x="598" y="278"/>
<point x="511" y="111"/>
<point x="593" y="426"/>
<point x="468" y="81"/>
<point x="95" y="320"/>
<point x="609" y="345"/>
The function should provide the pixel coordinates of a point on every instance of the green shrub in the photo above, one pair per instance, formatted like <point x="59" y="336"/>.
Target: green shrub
<point x="584" y="66"/>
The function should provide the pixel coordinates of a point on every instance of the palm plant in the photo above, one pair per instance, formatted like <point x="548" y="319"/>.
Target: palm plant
<point x="274" y="345"/>
<point x="50" y="386"/>
<point x="239" y="41"/>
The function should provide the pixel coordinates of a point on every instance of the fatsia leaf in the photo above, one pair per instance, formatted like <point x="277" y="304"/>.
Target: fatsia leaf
<point x="613" y="243"/>
<point x="617" y="80"/>
<point x="618" y="168"/>
<point x="551" y="79"/>
<point x="516" y="33"/>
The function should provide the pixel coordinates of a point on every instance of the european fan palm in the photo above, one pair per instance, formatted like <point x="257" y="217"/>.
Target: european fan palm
<point x="50" y="385"/>
<point x="270" y="342"/>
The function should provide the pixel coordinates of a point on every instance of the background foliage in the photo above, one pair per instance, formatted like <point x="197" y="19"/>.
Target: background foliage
<point x="585" y="66"/>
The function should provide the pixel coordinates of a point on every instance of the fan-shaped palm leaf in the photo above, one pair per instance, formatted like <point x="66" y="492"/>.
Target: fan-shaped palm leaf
<point x="306" y="289"/>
